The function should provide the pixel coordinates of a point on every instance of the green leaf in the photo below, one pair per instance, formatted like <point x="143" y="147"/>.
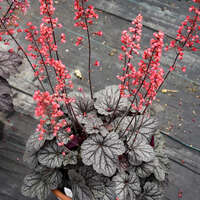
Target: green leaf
<point x="102" y="153"/>
<point x="151" y="192"/>
<point x="127" y="185"/>
<point x="51" y="155"/>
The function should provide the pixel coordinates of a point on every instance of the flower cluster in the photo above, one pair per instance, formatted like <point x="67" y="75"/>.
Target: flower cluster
<point x="84" y="15"/>
<point x="141" y="83"/>
<point x="187" y="35"/>
<point x="131" y="38"/>
<point x="10" y="20"/>
<point x="106" y="140"/>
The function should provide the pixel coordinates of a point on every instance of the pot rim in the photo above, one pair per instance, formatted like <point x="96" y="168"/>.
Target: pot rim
<point x="60" y="195"/>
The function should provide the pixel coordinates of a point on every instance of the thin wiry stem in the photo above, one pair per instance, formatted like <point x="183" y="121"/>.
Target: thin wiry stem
<point x="13" y="38"/>
<point x="48" y="77"/>
<point x="89" y="52"/>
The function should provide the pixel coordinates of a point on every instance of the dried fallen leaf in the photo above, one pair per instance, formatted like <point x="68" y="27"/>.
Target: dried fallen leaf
<point x="113" y="52"/>
<point x="78" y="74"/>
<point x="167" y="90"/>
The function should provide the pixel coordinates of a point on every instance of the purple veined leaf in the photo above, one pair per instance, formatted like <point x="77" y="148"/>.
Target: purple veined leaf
<point x="106" y="101"/>
<point x="93" y="125"/>
<point x="127" y="185"/>
<point x="159" y="170"/>
<point x="70" y="158"/>
<point x="152" y="191"/>
<point x="145" y="169"/>
<point x="82" y="104"/>
<point x="81" y="192"/>
<point x="102" y="153"/>
<point x="79" y="189"/>
<point x="6" y="104"/>
<point x="94" y="181"/>
<point x="140" y="151"/>
<point x="40" y="183"/>
<point x="9" y="63"/>
<point x="51" y="155"/>
<point x="35" y="142"/>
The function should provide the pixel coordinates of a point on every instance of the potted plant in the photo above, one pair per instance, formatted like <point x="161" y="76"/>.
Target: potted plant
<point x="103" y="145"/>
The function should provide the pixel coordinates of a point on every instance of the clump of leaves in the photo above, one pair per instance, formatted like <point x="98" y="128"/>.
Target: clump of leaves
<point x="99" y="158"/>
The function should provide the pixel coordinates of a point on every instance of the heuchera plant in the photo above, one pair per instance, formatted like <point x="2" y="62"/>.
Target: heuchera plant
<point x="101" y="145"/>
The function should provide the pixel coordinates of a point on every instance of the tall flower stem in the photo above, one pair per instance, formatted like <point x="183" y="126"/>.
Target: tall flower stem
<point x="89" y="52"/>
<point x="135" y="96"/>
<point x="47" y="73"/>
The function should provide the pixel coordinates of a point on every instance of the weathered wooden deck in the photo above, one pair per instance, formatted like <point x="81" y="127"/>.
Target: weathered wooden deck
<point x="179" y="113"/>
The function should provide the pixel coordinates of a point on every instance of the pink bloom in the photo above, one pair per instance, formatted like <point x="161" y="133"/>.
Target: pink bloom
<point x="97" y="63"/>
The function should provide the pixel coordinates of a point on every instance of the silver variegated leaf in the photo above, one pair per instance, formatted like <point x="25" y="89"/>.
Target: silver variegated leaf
<point x="51" y="155"/>
<point x="148" y="126"/>
<point x="70" y="158"/>
<point x="151" y="192"/>
<point x="127" y="121"/>
<point x="145" y="169"/>
<point x="82" y="104"/>
<point x="81" y="192"/>
<point x="75" y="177"/>
<point x="63" y="136"/>
<point x="30" y="158"/>
<point x="39" y="183"/>
<point x="140" y="151"/>
<point x="54" y="179"/>
<point x="106" y="101"/>
<point x="127" y="186"/>
<point x="110" y="193"/>
<point x="102" y="152"/>
<point x="104" y="132"/>
<point x="79" y="188"/>
<point x="36" y="141"/>
<point x="93" y="125"/>
<point x="159" y="170"/>
<point x="94" y="181"/>
<point x="34" y="186"/>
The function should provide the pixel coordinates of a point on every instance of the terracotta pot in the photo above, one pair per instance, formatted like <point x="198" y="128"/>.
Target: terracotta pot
<point x="61" y="195"/>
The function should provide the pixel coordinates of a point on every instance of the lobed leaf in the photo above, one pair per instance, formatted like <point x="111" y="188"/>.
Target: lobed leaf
<point x="106" y="101"/>
<point x="140" y="151"/>
<point x="102" y="152"/>
<point x="127" y="185"/>
<point x="152" y="192"/>
<point x="145" y="169"/>
<point x="39" y="183"/>
<point x="51" y="155"/>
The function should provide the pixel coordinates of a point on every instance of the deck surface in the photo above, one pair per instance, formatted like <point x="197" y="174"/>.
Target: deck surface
<point x="178" y="113"/>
